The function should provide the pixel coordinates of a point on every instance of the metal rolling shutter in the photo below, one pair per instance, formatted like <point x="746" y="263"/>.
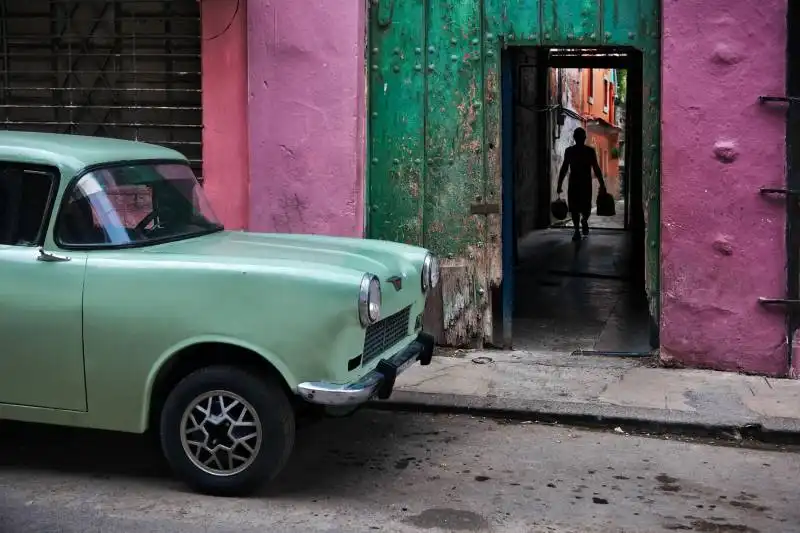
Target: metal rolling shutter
<point x="127" y="69"/>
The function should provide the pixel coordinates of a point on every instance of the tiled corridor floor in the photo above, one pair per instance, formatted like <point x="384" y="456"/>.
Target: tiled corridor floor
<point x="577" y="296"/>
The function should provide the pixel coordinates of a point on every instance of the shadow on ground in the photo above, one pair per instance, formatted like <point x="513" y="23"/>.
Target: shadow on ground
<point x="327" y="454"/>
<point x="577" y="296"/>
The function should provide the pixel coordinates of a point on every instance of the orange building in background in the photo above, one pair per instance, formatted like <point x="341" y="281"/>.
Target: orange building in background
<point x="597" y="108"/>
<point x="586" y="98"/>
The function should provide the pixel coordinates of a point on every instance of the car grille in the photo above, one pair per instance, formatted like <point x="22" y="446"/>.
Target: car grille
<point x="385" y="333"/>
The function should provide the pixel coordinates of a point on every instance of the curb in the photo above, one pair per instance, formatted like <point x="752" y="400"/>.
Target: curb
<point x="632" y="420"/>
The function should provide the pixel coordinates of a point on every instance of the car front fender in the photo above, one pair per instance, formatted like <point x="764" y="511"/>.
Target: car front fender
<point x="168" y="356"/>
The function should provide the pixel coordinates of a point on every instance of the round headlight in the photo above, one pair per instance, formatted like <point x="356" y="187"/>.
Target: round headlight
<point x="369" y="300"/>
<point x="430" y="272"/>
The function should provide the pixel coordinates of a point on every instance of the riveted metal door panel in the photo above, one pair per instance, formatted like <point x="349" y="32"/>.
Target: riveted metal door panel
<point x="396" y="127"/>
<point x="626" y="21"/>
<point x="517" y="19"/>
<point x="426" y="150"/>
<point x="571" y="22"/>
<point x="455" y="201"/>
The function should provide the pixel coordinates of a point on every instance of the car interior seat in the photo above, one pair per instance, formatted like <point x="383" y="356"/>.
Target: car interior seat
<point x="77" y="223"/>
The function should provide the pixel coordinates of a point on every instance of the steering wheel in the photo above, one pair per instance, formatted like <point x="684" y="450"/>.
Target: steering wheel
<point x="142" y="225"/>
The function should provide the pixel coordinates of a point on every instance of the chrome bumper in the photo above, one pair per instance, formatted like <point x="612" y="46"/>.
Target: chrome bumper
<point x="379" y="382"/>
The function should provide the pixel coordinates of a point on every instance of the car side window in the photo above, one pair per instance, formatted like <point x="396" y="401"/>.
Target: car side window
<point x="24" y="198"/>
<point x="102" y="212"/>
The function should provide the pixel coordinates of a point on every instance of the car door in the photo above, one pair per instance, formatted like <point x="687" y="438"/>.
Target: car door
<point x="41" y="294"/>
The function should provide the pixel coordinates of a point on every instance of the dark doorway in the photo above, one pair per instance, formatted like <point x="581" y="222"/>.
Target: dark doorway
<point x="559" y="294"/>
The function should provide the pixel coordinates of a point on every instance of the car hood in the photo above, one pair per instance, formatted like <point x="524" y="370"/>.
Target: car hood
<point x="382" y="258"/>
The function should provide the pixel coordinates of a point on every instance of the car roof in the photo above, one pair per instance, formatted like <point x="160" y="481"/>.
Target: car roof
<point x="73" y="153"/>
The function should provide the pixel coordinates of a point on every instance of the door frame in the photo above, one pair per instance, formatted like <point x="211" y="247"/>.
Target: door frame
<point x="644" y="236"/>
<point x="508" y="233"/>
<point x="791" y="192"/>
<point x="398" y="155"/>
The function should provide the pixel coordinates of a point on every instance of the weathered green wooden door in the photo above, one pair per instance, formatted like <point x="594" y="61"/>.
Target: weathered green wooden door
<point x="434" y="129"/>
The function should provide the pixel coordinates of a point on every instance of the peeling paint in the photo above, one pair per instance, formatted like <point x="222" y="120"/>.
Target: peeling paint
<point x="462" y="300"/>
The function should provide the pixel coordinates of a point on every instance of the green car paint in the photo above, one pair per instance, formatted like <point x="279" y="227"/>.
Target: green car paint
<point x="84" y="333"/>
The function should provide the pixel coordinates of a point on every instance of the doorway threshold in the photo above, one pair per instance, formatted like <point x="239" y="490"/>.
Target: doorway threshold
<point x="589" y="275"/>
<point x="609" y="353"/>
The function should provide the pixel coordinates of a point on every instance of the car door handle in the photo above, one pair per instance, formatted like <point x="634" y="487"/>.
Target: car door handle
<point x="48" y="257"/>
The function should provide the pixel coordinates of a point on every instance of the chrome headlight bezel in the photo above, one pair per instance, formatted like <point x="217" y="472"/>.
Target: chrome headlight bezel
<point x="369" y="300"/>
<point x="430" y="273"/>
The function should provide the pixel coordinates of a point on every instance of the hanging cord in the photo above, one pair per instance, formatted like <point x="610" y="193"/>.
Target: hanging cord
<point x="230" y="22"/>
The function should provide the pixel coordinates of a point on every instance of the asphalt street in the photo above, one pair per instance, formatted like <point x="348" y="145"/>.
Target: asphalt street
<point x="395" y="472"/>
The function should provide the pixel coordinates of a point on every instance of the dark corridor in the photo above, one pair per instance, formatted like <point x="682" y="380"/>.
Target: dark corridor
<point x="578" y="297"/>
<point x="559" y="295"/>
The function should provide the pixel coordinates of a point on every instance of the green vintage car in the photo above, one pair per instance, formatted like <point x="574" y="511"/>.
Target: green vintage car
<point x="126" y="306"/>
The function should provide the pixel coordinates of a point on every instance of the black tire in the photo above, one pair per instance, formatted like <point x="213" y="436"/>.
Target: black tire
<point x="274" y="415"/>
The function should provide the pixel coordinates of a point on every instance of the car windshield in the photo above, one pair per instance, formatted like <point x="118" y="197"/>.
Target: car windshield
<point x="134" y="205"/>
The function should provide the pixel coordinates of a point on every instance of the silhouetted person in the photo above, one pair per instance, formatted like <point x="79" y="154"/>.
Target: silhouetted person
<point x="580" y="160"/>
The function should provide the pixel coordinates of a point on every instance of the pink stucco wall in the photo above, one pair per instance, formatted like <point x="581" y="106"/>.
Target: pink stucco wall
<point x="225" y="147"/>
<point x="306" y="116"/>
<point x="722" y="244"/>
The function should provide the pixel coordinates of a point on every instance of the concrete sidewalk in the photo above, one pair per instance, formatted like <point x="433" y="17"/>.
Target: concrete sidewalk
<point x="594" y="390"/>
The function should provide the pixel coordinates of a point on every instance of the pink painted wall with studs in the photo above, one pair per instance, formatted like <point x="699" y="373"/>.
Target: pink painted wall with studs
<point x="723" y="243"/>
